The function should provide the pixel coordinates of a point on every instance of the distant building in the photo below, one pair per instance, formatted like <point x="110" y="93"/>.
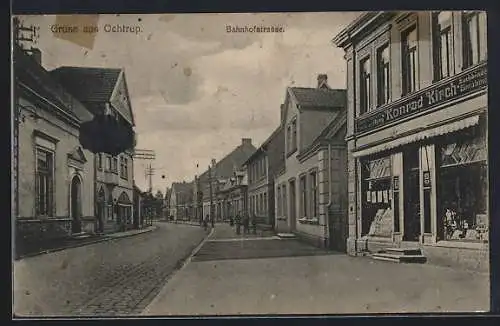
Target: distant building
<point x="181" y="201"/>
<point x="54" y="179"/>
<point x="104" y="91"/>
<point x="261" y="168"/>
<point x="313" y="179"/>
<point x="218" y="173"/>
<point x="232" y="196"/>
<point x="417" y="134"/>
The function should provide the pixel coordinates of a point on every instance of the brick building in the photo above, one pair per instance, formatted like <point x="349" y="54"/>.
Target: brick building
<point x="416" y="133"/>
<point x="313" y="177"/>
<point x="104" y="91"/>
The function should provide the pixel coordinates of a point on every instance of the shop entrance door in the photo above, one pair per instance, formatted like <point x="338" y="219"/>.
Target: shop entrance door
<point x="411" y="195"/>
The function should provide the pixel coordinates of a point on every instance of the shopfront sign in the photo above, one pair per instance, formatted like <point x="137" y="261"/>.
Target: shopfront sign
<point x="440" y="93"/>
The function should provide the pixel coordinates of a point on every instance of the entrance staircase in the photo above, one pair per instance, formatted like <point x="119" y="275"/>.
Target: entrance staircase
<point x="401" y="255"/>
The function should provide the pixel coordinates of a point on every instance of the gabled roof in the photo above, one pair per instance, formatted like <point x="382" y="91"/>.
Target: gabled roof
<point x="307" y="97"/>
<point x="262" y="147"/>
<point x="88" y="84"/>
<point x="184" y="187"/>
<point x="328" y="132"/>
<point x="94" y="85"/>
<point x="34" y="76"/>
<point x="231" y="162"/>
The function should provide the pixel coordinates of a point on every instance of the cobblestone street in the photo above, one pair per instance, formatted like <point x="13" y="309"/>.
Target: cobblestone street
<point x="116" y="277"/>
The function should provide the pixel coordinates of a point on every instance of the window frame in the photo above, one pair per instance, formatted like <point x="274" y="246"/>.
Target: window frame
<point x="468" y="60"/>
<point x="383" y="80"/>
<point x="314" y="193"/>
<point x="303" y="188"/>
<point x="365" y="97"/>
<point x="50" y="201"/>
<point x="409" y="58"/>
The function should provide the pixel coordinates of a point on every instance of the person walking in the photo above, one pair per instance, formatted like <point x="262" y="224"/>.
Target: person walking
<point x="246" y="223"/>
<point x="205" y="223"/>
<point x="254" y="223"/>
<point x="238" y="223"/>
<point x="212" y="220"/>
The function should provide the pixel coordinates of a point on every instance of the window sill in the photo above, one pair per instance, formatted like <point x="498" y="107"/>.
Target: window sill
<point x="306" y="220"/>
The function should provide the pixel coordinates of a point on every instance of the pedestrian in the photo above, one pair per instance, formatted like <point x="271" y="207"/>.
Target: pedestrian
<point x="213" y="222"/>
<point x="246" y="223"/>
<point x="205" y="223"/>
<point x="231" y="221"/>
<point x="254" y="223"/>
<point x="238" y="223"/>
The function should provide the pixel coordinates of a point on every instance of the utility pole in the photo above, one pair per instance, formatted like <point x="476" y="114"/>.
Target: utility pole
<point x="146" y="154"/>
<point x="211" y="192"/>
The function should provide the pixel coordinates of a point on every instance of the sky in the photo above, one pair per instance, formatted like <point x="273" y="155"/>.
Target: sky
<point x="196" y="89"/>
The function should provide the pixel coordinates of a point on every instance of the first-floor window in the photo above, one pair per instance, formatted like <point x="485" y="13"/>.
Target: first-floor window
<point x="44" y="182"/>
<point x="463" y="188"/>
<point x="278" y="201"/>
<point x="314" y="194"/>
<point x="303" y="196"/>
<point x="284" y="198"/>
<point x="265" y="202"/>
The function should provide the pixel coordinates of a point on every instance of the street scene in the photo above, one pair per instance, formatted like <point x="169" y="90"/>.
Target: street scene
<point x="250" y="164"/>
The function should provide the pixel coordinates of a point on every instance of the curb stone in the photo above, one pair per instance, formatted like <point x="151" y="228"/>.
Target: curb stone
<point x="77" y="245"/>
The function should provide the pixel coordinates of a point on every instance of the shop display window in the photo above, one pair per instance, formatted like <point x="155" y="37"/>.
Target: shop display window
<point x="463" y="188"/>
<point x="377" y="215"/>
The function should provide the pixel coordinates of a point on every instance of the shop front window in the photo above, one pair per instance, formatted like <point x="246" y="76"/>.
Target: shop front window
<point x="377" y="216"/>
<point x="463" y="192"/>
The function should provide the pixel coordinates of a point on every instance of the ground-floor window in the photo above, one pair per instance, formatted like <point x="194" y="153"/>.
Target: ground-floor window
<point x="377" y="215"/>
<point x="463" y="187"/>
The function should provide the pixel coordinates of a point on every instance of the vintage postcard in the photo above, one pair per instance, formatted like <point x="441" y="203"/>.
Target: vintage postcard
<point x="250" y="164"/>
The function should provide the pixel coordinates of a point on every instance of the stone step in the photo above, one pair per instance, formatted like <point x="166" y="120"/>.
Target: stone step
<point x="404" y="251"/>
<point x="81" y="235"/>
<point x="399" y="258"/>
<point x="286" y="235"/>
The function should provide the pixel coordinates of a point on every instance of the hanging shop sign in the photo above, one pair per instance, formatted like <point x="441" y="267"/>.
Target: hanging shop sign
<point x="458" y="86"/>
<point x="395" y="183"/>
<point x="427" y="178"/>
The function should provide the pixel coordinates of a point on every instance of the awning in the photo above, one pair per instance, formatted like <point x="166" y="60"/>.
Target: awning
<point x="429" y="133"/>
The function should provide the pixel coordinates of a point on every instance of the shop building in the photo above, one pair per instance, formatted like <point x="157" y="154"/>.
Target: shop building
<point x="417" y="134"/>
<point x="313" y="178"/>
<point x="104" y="91"/>
<point x="261" y="168"/>
<point x="232" y="196"/>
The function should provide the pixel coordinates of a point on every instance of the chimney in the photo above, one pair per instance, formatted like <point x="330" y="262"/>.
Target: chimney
<point x="36" y="54"/>
<point x="282" y="112"/>
<point x="213" y="162"/>
<point x="246" y="141"/>
<point x="322" y="79"/>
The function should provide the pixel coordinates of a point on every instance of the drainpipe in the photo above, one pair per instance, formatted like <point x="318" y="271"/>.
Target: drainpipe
<point x="327" y="219"/>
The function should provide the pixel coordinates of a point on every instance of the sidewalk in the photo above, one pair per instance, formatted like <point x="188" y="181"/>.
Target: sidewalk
<point x="328" y="284"/>
<point x="71" y="242"/>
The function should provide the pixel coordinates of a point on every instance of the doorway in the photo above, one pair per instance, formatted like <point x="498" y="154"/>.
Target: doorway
<point x="76" y="225"/>
<point x="293" y="202"/>
<point x="411" y="184"/>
